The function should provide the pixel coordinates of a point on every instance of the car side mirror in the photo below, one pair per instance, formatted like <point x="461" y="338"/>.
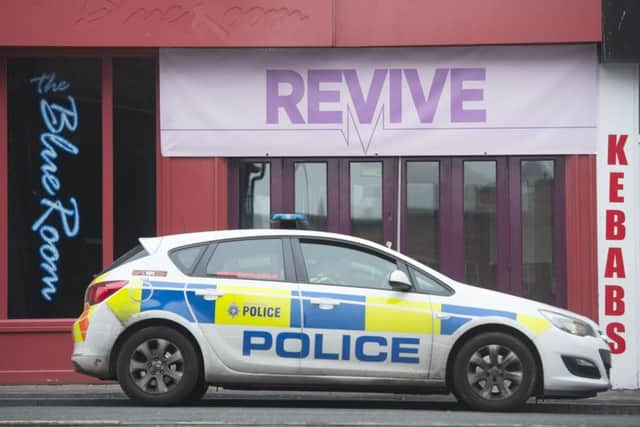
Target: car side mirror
<point x="399" y="281"/>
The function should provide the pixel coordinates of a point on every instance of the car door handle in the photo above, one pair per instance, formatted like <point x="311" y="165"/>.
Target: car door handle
<point x="324" y="303"/>
<point x="442" y="316"/>
<point x="209" y="294"/>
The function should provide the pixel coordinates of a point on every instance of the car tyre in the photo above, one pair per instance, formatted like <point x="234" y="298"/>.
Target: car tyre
<point x="158" y="366"/>
<point x="493" y="371"/>
<point x="199" y="390"/>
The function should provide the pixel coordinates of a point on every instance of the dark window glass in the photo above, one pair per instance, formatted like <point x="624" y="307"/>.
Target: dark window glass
<point x="428" y="284"/>
<point x="328" y="263"/>
<point x="311" y="193"/>
<point x="255" y="195"/>
<point x="185" y="258"/>
<point x="55" y="189"/>
<point x="132" y="254"/>
<point x="134" y="151"/>
<point x="480" y="232"/>
<point x="423" y="238"/>
<point x="538" y="278"/>
<point x="366" y="200"/>
<point x="248" y="259"/>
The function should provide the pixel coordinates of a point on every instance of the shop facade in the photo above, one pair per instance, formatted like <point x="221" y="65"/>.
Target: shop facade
<point x="484" y="162"/>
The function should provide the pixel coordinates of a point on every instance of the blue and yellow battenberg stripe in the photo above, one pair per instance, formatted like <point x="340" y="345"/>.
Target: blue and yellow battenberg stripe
<point x="268" y="307"/>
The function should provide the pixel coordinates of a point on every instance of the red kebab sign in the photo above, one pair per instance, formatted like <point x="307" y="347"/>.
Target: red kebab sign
<point x="615" y="236"/>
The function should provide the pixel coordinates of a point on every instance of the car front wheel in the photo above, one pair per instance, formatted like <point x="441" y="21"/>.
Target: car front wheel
<point x="158" y="366"/>
<point x="494" y="371"/>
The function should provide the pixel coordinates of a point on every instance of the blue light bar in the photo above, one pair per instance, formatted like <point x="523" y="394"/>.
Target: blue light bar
<point x="288" y="217"/>
<point x="290" y="221"/>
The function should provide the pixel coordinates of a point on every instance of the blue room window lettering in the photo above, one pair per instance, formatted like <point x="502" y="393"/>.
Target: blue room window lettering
<point x="61" y="122"/>
<point x="54" y="112"/>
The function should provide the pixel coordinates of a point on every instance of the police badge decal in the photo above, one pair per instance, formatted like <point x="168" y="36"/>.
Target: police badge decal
<point x="233" y="310"/>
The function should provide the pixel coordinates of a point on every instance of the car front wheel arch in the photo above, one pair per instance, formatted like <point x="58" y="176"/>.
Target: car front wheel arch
<point x="539" y="386"/>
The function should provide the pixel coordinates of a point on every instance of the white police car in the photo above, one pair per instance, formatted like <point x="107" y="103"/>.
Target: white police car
<point x="299" y="309"/>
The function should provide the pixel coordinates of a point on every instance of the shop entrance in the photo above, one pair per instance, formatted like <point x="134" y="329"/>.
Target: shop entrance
<point x="495" y="222"/>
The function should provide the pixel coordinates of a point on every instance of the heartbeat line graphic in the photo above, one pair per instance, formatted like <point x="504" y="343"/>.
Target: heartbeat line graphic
<point x="351" y="121"/>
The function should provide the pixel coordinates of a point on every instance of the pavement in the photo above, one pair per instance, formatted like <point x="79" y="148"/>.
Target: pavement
<point x="107" y="405"/>
<point x="616" y="401"/>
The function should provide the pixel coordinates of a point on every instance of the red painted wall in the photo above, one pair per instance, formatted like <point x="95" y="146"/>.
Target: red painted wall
<point x="192" y="194"/>
<point x="465" y="22"/>
<point x="296" y="22"/>
<point x="166" y="23"/>
<point x="582" y="238"/>
<point x="38" y="353"/>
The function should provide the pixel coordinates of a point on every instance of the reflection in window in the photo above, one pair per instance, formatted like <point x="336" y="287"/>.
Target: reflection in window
<point x="341" y="265"/>
<point x="366" y="200"/>
<point x="538" y="278"/>
<point x="423" y="240"/>
<point x="248" y="259"/>
<point x="185" y="258"/>
<point x="255" y="195"/>
<point x="134" y="151"/>
<point x="311" y="193"/>
<point x="480" y="237"/>
<point x="428" y="284"/>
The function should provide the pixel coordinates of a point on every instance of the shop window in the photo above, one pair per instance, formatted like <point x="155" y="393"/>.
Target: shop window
<point x="134" y="151"/>
<point x="311" y="192"/>
<point x="366" y="200"/>
<point x="423" y="208"/>
<point x="255" y="194"/>
<point x="480" y="232"/>
<point x="55" y="189"/>
<point x="538" y="273"/>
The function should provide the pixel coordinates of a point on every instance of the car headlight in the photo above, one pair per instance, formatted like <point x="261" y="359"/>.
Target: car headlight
<point x="569" y="324"/>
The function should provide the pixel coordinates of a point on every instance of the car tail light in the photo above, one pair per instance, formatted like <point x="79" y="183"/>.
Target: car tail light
<point x="103" y="290"/>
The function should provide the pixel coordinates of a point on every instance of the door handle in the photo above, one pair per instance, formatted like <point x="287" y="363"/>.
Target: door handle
<point x="209" y="294"/>
<point x="442" y="316"/>
<point x="324" y="303"/>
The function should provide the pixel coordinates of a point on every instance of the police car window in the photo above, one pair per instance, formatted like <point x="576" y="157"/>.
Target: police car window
<point x="334" y="264"/>
<point x="185" y="258"/>
<point x="132" y="254"/>
<point x="428" y="284"/>
<point x="248" y="259"/>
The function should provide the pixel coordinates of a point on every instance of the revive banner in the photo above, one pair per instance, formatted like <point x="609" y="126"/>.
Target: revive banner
<point x="494" y="100"/>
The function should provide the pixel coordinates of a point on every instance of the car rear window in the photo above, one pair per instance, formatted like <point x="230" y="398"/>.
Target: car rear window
<point x="185" y="258"/>
<point x="132" y="254"/>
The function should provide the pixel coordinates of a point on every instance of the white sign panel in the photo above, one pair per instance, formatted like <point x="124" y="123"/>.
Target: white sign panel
<point x="618" y="234"/>
<point x="383" y="101"/>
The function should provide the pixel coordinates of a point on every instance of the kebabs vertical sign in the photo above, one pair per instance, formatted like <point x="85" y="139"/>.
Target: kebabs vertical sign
<point x="615" y="234"/>
<point x="618" y="173"/>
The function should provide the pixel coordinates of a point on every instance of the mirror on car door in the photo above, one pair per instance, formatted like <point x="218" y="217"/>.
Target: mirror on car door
<point x="399" y="281"/>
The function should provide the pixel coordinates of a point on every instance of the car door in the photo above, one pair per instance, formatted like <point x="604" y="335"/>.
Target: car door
<point x="245" y="302"/>
<point x="356" y="323"/>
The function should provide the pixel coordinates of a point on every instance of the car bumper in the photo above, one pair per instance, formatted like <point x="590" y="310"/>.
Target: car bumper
<point x="95" y="333"/>
<point x="558" y="350"/>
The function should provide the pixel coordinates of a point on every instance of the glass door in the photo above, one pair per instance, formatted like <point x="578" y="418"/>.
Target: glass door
<point x="493" y="222"/>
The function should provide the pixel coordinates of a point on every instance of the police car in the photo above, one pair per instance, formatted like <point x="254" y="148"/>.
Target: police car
<point x="299" y="309"/>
